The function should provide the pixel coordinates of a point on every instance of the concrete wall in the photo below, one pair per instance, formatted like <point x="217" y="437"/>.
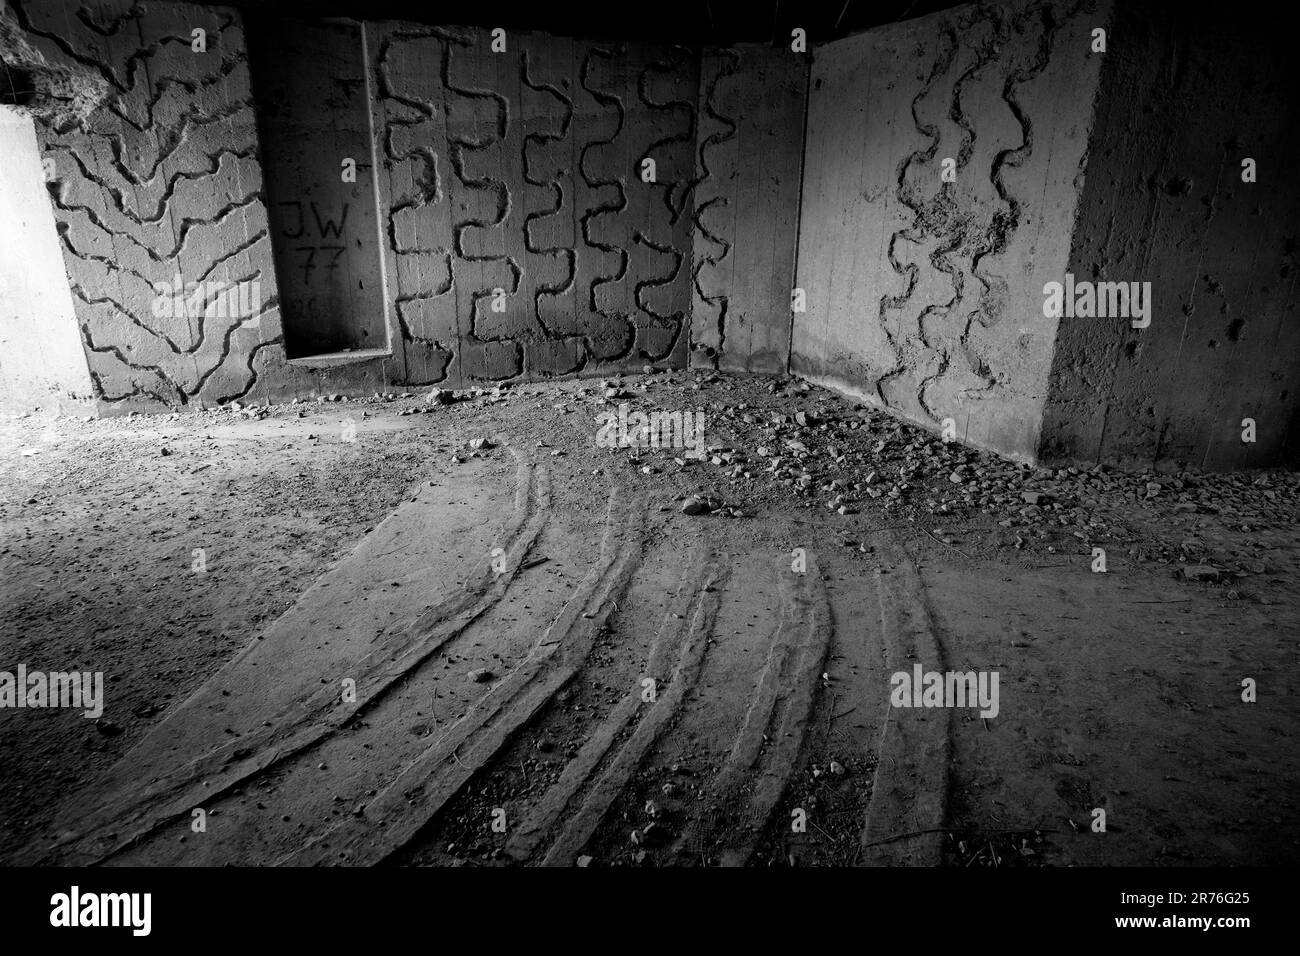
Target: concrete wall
<point x="517" y="170"/>
<point x="161" y="185"/>
<point x="520" y="171"/>
<point x="1164" y="201"/>
<point x="41" y="362"/>
<point x="748" y="163"/>
<point x="923" y="296"/>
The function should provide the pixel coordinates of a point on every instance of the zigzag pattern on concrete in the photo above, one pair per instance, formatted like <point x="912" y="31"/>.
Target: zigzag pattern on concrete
<point x="161" y="182"/>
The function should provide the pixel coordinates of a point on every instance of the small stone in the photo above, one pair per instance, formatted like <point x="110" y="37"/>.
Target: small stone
<point x="480" y="675"/>
<point x="694" y="506"/>
<point x="584" y="861"/>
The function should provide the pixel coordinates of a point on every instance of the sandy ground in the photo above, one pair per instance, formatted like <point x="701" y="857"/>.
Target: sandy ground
<point x="1119" y="691"/>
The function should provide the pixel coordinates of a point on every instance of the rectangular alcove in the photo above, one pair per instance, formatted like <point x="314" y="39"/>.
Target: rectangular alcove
<point x="316" y="137"/>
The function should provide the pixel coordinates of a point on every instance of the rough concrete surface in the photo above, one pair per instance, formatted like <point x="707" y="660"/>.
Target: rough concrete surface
<point x="161" y="186"/>
<point x="56" y="92"/>
<point x="1164" y="202"/>
<point x="924" y="296"/>
<point x="521" y="171"/>
<point x="749" y="158"/>
<point x="499" y="228"/>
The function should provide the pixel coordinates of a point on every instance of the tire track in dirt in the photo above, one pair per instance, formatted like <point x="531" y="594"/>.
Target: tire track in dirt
<point x="579" y="770"/>
<point x="660" y="787"/>
<point x="697" y="603"/>
<point x="406" y="806"/>
<point x="819" y="820"/>
<point x="910" y="790"/>
<point x="762" y="759"/>
<point x="140" y="809"/>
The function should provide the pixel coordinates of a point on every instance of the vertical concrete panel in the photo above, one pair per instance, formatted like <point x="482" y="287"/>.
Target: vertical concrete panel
<point x="535" y="154"/>
<point x="41" y="361"/>
<point x="547" y="74"/>
<point x="158" y="196"/>
<point x="415" y="197"/>
<point x="924" y="296"/>
<point x="1164" y="202"/>
<point x="663" y="84"/>
<point x="748" y="160"/>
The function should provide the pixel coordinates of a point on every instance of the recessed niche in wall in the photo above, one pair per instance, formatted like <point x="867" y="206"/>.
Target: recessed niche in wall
<point x="314" y="123"/>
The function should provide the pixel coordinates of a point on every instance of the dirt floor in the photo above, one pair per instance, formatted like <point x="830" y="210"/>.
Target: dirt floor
<point x="556" y="663"/>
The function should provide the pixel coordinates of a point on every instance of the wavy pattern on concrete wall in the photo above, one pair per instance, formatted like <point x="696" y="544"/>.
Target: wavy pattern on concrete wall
<point x="160" y="181"/>
<point x="745" y="195"/>
<point x="924" y="289"/>
<point x="525" y="242"/>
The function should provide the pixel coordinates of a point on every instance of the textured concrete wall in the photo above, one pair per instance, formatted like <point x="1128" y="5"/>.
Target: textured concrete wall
<point x="521" y="171"/>
<point x="748" y="162"/>
<point x="161" y="185"/>
<point x="1181" y="107"/>
<point x="925" y="296"/>
<point x="41" y="362"/>
<point x="518" y="170"/>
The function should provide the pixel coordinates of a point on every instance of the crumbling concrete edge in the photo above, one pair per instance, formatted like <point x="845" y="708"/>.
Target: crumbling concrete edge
<point x="60" y="94"/>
